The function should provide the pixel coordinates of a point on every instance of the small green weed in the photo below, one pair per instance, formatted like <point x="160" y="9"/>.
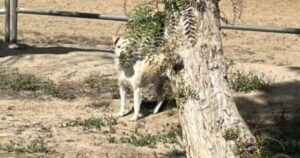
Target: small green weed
<point x="35" y="146"/>
<point x="139" y="139"/>
<point x="26" y="82"/>
<point x="175" y="152"/>
<point x="169" y="137"/>
<point x="99" y="104"/>
<point x="93" y="123"/>
<point x="50" y="88"/>
<point x="230" y="134"/>
<point x="111" y="139"/>
<point x="38" y="146"/>
<point x="246" y="82"/>
<point x="110" y="121"/>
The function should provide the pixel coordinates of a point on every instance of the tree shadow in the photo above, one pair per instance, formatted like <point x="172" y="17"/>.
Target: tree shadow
<point x="44" y="39"/>
<point x="274" y="117"/>
<point x="27" y="49"/>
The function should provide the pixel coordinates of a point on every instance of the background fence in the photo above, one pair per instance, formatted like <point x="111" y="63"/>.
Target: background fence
<point x="11" y="12"/>
<point x="6" y="11"/>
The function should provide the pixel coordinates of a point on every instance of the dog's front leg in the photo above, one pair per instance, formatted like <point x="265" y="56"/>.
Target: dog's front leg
<point x="123" y="98"/>
<point x="137" y="103"/>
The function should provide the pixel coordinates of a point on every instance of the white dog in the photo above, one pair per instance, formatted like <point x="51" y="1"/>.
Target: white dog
<point x="139" y="74"/>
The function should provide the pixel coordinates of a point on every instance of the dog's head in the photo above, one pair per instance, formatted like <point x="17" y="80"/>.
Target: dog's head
<point x="119" y="43"/>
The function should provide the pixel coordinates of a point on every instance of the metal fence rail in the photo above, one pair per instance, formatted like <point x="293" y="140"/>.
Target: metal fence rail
<point x="261" y="28"/>
<point x="6" y="12"/>
<point x="125" y="18"/>
<point x="2" y="11"/>
<point x="11" y="33"/>
<point x="72" y="14"/>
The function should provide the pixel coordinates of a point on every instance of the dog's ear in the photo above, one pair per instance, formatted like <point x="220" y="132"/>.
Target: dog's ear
<point x="115" y="40"/>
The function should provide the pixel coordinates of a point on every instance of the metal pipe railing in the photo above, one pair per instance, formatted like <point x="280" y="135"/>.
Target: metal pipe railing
<point x="72" y="14"/>
<point x="6" y="20"/>
<point x="14" y="21"/>
<point x="125" y="18"/>
<point x="261" y="28"/>
<point x="15" y="11"/>
<point x="2" y="10"/>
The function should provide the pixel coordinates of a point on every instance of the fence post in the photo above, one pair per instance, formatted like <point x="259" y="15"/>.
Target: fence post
<point x="6" y="20"/>
<point x="14" y="21"/>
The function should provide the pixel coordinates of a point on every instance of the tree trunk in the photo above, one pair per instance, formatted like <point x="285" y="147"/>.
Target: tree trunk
<point x="211" y="124"/>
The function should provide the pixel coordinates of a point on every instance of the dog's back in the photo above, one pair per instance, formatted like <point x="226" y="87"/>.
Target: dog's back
<point x="141" y="72"/>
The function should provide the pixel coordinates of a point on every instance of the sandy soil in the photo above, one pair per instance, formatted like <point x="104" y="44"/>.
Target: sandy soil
<point x="69" y="50"/>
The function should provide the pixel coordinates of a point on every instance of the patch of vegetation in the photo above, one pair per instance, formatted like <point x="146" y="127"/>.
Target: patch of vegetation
<point x="169" y="137"/>
<point x="230" y="134"/>
<point x="111" y="139"/>
<point x="150" y="140"/>
<point x="93" y="123"/>
<point x="264" y="144"/>
<point x="38" y="145"/>
<point x="26" y="82"/>
<point x="184" y="91"/>
<point x="146" y="27"/>
<point x="175" y="152"/>
<point x="246" y="148"/>
<point x="99" y="104"/>
<point x="17" y="82"/>
<point x="13" y="81"/>
<point x="246" y="82"/>
<point x="23" y="82"/>
<point x="110" y="121"/>
<point x="138" y="139"/>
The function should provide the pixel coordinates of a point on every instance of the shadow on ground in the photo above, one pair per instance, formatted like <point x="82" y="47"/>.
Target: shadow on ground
<point x="24" y="49"/>
<point x="274" y="116"/>
<point x="296" y="69"/>
<point x="13" y="55"/>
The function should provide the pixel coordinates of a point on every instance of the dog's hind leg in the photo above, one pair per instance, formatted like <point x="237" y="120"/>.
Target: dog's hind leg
<point x="137" y="103"/>
<point x="158" y="105"/>
<point x="123" y="98"/>
<point x="159" y="93"/>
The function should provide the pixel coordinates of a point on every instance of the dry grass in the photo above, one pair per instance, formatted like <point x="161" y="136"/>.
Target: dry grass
<point x="67" y="52"/>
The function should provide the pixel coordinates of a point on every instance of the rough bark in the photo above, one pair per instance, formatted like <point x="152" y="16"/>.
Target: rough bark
<point x="212" y="125"/>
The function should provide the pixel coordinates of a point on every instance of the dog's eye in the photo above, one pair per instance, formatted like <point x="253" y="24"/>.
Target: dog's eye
<point x="118" y="46"/>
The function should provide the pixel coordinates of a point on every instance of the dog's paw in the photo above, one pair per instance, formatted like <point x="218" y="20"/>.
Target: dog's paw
<point x="134" y="118"/>
<point x="155" y="111"/>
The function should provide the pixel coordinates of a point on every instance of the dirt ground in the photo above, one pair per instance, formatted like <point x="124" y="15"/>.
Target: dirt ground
<point x="70" y="50"/>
